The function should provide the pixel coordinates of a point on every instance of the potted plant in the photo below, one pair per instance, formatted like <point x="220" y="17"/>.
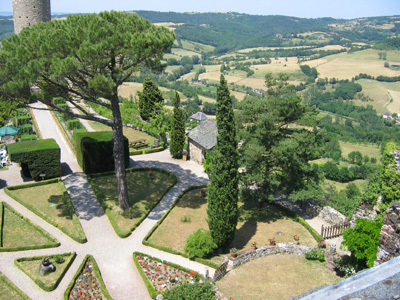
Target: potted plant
<point x="296" y="239"/>
<point x="234" y="252"/>
<point x="254" y="245"/>
<point x="322" y="245"/>
<point x="272" y="242"/>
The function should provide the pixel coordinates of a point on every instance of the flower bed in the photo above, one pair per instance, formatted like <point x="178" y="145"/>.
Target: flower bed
<point x="163" y="275"/>
<point x="87" y="285"/>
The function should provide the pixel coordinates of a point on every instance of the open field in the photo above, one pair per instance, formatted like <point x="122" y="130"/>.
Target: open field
<point x="370" y="150"/>
<point x="275" y="277"/>
<point x="289" y="67"/>
<point x="183" y="52"/>
<point x="196" y="47"/>
<point x="346" y="66"/>
<point x="394" y="105"/>
<point x="254" y="224"/>
<point x="340" y="186"/>
<point x="131" y="88"/>
<point x="247" y="50"/>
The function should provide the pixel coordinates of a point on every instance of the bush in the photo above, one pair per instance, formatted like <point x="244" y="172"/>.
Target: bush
<point x="37" y="157"/>
<point x="58" y="259"/>
<point x="74" y="124"/>
<point x="315" y="254"/>
<point x="184" y="290"/>
<point x="22" y="120"/>
<point x="28" y="137"/>
<point x="200" y="244"/>
<point x="363" y="240"/>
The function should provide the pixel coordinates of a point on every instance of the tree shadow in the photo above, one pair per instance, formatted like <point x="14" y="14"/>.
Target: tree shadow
<point x="244" y="234"/>
<point x="192" y="199"/>
<point x="63" y="205"/>
<point x="65" y="169"/>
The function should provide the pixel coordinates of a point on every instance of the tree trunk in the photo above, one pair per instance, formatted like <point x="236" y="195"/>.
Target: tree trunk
<point x="119" y="160"/>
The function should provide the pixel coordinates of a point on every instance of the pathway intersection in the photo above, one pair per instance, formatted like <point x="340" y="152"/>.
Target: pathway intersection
<point x="113" y="254"/>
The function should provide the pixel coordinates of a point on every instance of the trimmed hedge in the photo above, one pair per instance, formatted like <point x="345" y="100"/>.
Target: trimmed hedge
<point x="158" y="149"/>
<point x="50" y="287"/>
<point x="58" y="100"/>
<point x="28" y="137"/>
<point x="22" y="120"/>
<point x="37" y="157"/>
<point x="9" y="284"/>
<point x="170" y="250"/>
<point x="114" y="224"/>
<point x="74" y="124"/>
<point x="52" y="241"/>
<point x="26" y="129"/>
<point x="94" y="151"/>
<point x="79" y="237"/>
<point x="96" y="272"/>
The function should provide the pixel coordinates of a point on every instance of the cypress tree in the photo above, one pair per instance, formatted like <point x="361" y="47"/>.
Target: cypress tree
<point x="223" y="189"/>
<point x="178" y="129"/>
<point x="149" y="98"/>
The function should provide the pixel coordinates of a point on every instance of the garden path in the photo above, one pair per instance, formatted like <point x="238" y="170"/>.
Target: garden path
<point x="113" y="254"/>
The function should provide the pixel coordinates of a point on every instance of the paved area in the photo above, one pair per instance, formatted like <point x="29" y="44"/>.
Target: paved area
<point x="113" y="254"/>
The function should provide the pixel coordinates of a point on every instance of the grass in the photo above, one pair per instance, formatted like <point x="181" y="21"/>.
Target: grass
<point x="50" y="281"/>
<point x="144" y="191"/>
<point x="254" y="224"/>
<point x="52" y="203"/>
<point x="9" y="291"/>
<point x="19" y="233"/>
<point x="370" y="150"/>
<point x="274" y="278"/>
<point x="340" y="186"/>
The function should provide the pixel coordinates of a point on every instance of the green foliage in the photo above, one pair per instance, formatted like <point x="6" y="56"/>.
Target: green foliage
<point x="28" y="137"/>
<point x="363" y="240"/>
<point x="74" y="124"/>
<point x="6" y="110"/>
<point x="200" y="244"/>
<point x="315" y="254"/>
<point x="390" y="179"/>
<point x="178" y="136"/>
<point x="223" y="190"/>
<point x="94" y="151"/>
<point x="187" y="291"/>
<point x="148" y="99"/>
<point x="37" y="157"/>
<point x="276" y="154"/>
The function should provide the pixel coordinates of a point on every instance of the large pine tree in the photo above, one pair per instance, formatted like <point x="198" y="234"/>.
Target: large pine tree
<point x="149" y="99"/>
<point x="223" y="189"/>
<point x="177" y="130"/>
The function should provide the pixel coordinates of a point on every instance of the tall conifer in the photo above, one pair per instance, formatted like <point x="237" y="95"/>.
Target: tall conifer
<point x="223" y="189"/>
<point x="177" y="130"/>
<point x="149" y="98"/>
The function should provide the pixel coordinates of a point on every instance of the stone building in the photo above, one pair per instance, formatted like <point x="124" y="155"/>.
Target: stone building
<point x="30" y="12"/>
<point x="202" y="139"/>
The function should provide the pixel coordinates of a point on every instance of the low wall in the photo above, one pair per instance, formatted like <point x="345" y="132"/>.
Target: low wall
<point x="280" y="248"/>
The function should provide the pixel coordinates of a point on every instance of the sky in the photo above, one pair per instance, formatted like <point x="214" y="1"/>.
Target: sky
<point x="343" y="9"/>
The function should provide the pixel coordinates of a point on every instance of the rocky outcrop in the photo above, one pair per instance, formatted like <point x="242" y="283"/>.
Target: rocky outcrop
<point x="332" y="216"/>
<point x="364" y="211"/>
<point x="390" y="235"/>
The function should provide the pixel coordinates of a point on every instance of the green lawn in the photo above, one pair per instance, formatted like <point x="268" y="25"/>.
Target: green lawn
<point x="9" y="291"/>
<point x="144" y="190"/>
<point x="369" y="150"/>
<point x="50" y="281"/>
<point x="259" y="224"/>
<point x="275" y="277"/>
<point x="52" y="203"/>
<point x="18" y="233"/>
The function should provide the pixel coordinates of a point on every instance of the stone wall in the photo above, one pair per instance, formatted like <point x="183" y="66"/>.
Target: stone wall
<point x="30" y="12"/>
<point x="196" y="152"/>
<point x="390" y="235"/>
<point x="280" y="248"/>
<point x="332" y="216"/>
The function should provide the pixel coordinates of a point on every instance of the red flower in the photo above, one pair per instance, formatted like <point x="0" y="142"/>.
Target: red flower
<point x="191" y="274"/>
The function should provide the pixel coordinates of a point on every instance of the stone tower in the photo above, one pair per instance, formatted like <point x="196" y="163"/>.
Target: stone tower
<point x="30" y="12"/>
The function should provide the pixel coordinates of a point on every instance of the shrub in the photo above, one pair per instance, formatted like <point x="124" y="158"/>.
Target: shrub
<point x="37" y="157"/>
<point x="185" y="219"/>
<point x="363" y="240"/>
<point x="58" y="259"/>
<point x="74" y="124"/>
<point x="28" y="137"/>
<point x="22" y="120"/>
<point x="200" y="244"/>
<point x="184" y="290"/>
<point x="315" y="254"/>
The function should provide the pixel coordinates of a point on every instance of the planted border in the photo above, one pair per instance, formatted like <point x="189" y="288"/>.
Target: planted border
<point x="146" y="151"/>
<point x="53" y="242"/>
<point x="42" y="285"/>
<point x="80" y="237"/>
<point x="96" y="272"/>
<point x="10" y="285"/>
<point x="170" y="250"/>
<point x="153" y="293"/>
<point x="100" y="197"/>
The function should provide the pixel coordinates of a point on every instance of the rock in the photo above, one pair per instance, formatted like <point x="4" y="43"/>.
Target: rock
<point x="332" y="216"/>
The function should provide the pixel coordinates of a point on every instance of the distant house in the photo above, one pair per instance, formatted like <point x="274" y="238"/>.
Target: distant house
<point x="202" y="139"/>
<point x="387" y="115"/>
<point x="199" y="117"/>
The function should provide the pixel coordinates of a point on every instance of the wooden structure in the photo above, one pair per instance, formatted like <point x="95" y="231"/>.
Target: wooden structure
<point x="334" y="230"/>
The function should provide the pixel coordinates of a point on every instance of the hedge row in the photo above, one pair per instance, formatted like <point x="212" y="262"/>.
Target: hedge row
<point x="37" y="157"/>
<point x="52" y="241"/>
<point x="77" y="236"/>
<point x="94" y="151"/>
<point x="8" y="283"/>
<point x="145" y="151"/>
<point x="170" y="250"/>
<point x="99" y="195"/>
<point x="96" y="272"/>
<point x="1" y="224"/>
<point x="50" y="287"/>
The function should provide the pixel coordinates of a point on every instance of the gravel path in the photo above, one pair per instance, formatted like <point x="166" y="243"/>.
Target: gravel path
<point x="113" y="254"/>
